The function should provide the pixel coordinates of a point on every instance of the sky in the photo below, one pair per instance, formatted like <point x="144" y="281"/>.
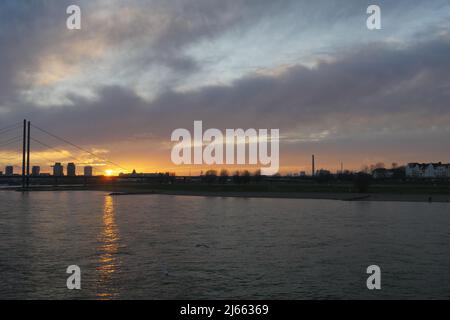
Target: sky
<point x="138" y="70"/>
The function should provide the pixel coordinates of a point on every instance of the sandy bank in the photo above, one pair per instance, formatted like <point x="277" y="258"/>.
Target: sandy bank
<point x="303" y="195"/>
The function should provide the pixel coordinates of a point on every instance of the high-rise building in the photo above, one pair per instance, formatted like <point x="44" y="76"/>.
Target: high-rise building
<point x="88" y="171"/>
<point x="9" y="171"/>
<point x="36" y="170"/>
<point x="58" y="169"/>
<point x="71" y="170"/>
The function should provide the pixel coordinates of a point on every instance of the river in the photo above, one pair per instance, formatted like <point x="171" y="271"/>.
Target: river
<point x="181" y="247"/>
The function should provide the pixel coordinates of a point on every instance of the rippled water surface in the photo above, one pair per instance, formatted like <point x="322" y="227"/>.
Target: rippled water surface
<point x="176" y="247"/>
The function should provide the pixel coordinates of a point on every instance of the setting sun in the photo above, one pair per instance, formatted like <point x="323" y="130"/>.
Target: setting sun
<point x="109" y="172"/>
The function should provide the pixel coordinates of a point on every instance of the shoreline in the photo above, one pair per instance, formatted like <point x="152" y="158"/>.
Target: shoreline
<point x="313" y="195"/>
<point x="439" y="198"/>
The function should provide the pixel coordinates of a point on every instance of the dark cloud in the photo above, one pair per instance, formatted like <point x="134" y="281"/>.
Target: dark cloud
<point x="399" y="88"/>
<point x="24" y="34"/>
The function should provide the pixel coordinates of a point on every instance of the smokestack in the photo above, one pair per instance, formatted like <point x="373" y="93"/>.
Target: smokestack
<point x="313" y="166"/>
<point x="24" y="151"/>
<point x="28" y="155"/>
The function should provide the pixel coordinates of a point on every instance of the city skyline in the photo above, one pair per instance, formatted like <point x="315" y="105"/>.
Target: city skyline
<point x="136" y="72"/>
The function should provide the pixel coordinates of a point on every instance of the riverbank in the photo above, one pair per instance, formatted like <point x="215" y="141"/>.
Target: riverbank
<point x="385" y="193"/>
<point x="301" y="195"/>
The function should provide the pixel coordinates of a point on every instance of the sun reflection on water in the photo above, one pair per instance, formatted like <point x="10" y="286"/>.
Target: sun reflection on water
<point x="108" y="262"/>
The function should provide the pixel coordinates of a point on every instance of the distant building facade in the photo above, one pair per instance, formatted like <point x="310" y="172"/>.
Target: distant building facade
<point x="71" y="169"/>
<point x="382" y="173"/>
<point x="323" y="172"/>
<point x="427" y="170"/>
<point x="58" y="170"/>
<point x="36" y="170"/>
<point x="9" y="171"/>
<point x="134" y="174"/>
<point x="88" y="171"/>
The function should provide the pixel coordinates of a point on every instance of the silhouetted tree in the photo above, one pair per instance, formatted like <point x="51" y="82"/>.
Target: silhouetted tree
<point x="169" y="177"/>
<point x="257" y="177"/>
<point x="324" y="176"/>
<point x="246" y="177"/>
<point x="210" y="176"/>
<point x="236" y="177"/>
<point x="362" y="182"/>
<point x="365" y="169"/>
<point x="223" y="176"/>
<point x="378" y="165"/>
